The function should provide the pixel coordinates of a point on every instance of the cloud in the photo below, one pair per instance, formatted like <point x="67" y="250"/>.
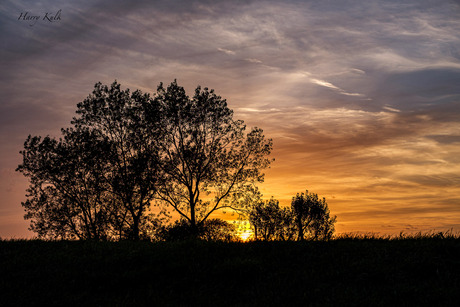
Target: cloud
<point x="332" y="86"/>
<point x="253" y="110"/>
<point x="254" y="61"/>
<point x="388" y="108"/>
<point x="435" y="180"/>
<point x="230" y="52"/>
<point x="360" y="99"/>
<point x="445" y="139"/>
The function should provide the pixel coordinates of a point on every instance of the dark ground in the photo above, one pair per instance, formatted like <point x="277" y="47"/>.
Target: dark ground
<point x="343" y="272"/>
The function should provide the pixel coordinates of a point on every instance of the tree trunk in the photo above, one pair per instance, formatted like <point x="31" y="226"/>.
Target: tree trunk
<point x="135" y="228"/>
<point x="300" y="230"/>
<point x="193" y="224"/>
<point x="136" y="231"/>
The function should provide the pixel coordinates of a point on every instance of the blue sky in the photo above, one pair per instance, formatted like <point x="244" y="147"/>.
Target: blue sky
<point x="361" y="98"/>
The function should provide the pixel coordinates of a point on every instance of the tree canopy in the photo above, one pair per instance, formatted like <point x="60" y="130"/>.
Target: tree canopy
<point x="127" y="151"/>
<point x="271" y="222"/>
<point x="209" y="162"/>
<point x="312" y="216"/>
<point x="98" y="180"/>
<point x="308" y="217"/>
<point x="66" y="196"/>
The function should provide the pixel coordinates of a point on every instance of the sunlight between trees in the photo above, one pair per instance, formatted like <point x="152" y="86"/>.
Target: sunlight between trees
<point x="128" y="152"/>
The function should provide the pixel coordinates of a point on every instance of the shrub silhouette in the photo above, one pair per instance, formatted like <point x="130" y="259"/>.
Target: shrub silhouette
<point x="210" y="230"/>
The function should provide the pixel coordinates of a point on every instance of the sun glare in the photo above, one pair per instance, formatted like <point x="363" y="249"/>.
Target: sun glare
<point x="245" y="235"/>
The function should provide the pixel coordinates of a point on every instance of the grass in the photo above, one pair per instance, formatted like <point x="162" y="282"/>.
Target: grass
<point x="354" y="270"/>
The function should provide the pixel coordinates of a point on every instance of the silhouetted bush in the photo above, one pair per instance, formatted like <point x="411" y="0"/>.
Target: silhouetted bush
<point x="210" y="230"/>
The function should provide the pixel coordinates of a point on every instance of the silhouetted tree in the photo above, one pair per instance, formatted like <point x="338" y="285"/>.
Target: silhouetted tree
<point x="99" y="180"/>
<point x="126" y="150"/>
<point x="67" y="197"/>
<point x="271" y="222"/>
<point x="121" y="117"/>
<point x="312" y="217"/>
<point x="209" y="161"/>
<point x="308" y="217"/>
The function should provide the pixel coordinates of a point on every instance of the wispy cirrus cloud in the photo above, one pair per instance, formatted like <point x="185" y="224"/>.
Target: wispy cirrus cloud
<point x="332" y="86"/>
<point x="227" y="51"/>
<point x="362" y="100"/>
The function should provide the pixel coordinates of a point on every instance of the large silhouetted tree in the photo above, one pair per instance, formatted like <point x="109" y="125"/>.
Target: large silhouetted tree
<point x="127" y="150"/>
<point x="67" y="197"/>
<point x="120" y="117"/>
<point x="209" y="162"/>
<point x="98" y="180"/>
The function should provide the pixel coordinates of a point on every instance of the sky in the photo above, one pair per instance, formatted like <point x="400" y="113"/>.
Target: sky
<point x="361" y="98"/>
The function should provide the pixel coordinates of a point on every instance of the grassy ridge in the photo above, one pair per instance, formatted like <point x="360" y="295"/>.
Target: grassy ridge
<point x="376" y="272"/>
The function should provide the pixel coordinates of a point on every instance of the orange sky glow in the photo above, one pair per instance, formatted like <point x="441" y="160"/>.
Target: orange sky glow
<point x="362" y="100"/>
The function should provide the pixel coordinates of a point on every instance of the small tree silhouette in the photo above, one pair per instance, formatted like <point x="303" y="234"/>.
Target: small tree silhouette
<point x="271" y="222"/>
<point x="312" y="216"/>
<point x="308" y="217"/>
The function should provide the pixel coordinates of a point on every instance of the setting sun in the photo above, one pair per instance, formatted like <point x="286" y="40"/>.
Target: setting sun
<point x="245" y="235"/>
